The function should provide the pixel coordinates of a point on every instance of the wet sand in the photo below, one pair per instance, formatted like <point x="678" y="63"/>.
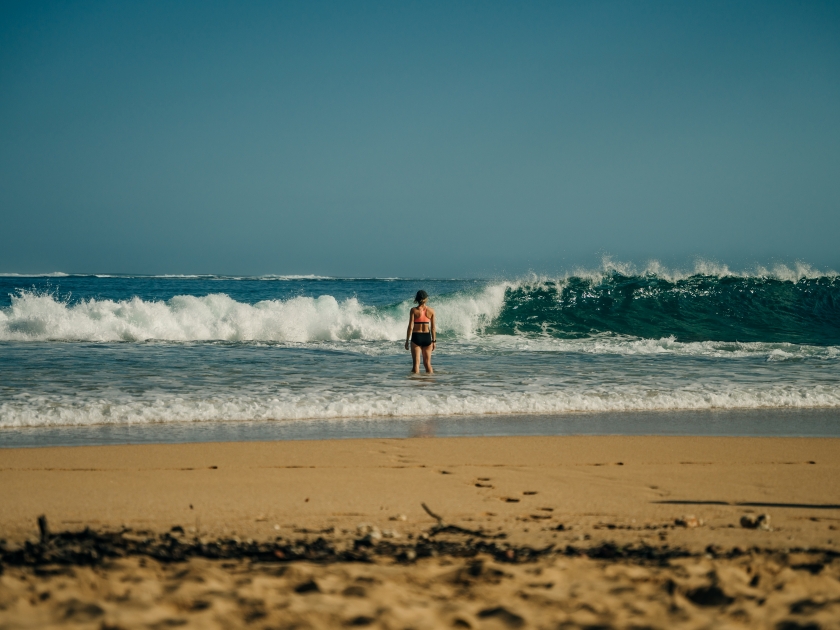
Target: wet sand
<point x="585" y="531"/>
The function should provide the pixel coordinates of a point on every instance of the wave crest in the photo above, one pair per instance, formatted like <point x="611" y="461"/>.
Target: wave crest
<point x="793" y="272"/>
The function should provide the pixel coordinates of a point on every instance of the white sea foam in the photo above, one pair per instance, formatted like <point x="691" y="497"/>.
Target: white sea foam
<point x="188" y="318"/>
<point x="630" y="346"/>
<point x="54" y="274"/>
<point x="44" y="410"/>
<point x="41" y="317"/>
<point x="293" y="277"/>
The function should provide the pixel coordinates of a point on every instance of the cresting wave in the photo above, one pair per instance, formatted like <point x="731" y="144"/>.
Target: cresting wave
<point x="692" y="309"/>
<point x="612" y="307"/>
<point x="786" y="273"/>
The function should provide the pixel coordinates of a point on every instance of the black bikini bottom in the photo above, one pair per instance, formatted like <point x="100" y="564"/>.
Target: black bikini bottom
<point x="421" y="339"/>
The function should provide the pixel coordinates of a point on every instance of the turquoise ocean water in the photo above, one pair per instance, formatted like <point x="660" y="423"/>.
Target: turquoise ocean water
<point x="99" y="358"/>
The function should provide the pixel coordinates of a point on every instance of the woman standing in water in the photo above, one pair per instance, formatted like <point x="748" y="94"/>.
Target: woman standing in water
<point x="421" y="333"/>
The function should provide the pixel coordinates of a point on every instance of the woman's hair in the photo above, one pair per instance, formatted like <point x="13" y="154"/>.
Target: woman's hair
<point x="421" y="297"/>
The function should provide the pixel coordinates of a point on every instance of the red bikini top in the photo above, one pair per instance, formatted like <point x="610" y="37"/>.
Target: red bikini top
<point x="421" y="319"/>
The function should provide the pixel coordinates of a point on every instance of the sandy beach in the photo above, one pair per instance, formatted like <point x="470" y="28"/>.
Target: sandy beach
<point x="519" y="532"/>
<point x="416" y="316"/>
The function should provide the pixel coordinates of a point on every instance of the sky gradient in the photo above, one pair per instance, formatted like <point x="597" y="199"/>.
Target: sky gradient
<point x="416" y="139"/>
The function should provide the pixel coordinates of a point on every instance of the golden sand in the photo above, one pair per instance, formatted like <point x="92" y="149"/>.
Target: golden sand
<point x="565" y="496"/>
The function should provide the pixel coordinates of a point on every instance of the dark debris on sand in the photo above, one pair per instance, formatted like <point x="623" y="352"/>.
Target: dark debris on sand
<point x="89" y="547"/>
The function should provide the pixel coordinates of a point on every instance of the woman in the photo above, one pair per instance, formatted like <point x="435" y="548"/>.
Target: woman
<point x="421" y="333"/>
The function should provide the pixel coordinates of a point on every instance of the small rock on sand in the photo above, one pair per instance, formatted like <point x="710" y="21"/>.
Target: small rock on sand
<point x="688" y="521"/>
<point x="309" y="586"/>
<point x="761" y="521"/>
<point x="371" y="532"/>
<point x="510" y="619"/>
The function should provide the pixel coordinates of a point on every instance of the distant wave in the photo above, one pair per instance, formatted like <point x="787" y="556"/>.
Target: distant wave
<point x="792" y="272"/>
<point x="54" y="274"/>
<point x="187" y="276"/>
<point x="167" y="276"/>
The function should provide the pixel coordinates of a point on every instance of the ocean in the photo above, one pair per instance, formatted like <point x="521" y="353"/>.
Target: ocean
<point x="90" y="359"/>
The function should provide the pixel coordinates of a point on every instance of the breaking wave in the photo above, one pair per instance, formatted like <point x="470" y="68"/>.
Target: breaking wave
<point x="42" y="317"/>
<point x="615" y="305"/>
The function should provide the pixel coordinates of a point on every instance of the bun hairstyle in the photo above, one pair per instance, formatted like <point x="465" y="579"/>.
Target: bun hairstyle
<point x="421" y="297"/>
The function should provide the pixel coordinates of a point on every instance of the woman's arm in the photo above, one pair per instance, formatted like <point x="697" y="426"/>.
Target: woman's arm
<point x="410" y="327"/>
<point x="432" y="329"/>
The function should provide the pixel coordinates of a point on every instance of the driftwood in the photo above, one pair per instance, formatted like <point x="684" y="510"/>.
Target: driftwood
<point x="443" y="528"/>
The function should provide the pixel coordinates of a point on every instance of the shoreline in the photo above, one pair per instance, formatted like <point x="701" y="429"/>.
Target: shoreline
<point x="765" y="422"/>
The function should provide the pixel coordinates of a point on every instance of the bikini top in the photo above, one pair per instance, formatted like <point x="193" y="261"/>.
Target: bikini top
<point x="421" y="319"/>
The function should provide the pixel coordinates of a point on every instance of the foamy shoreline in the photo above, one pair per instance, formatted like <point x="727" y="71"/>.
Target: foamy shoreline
<point x="813" y="423"/>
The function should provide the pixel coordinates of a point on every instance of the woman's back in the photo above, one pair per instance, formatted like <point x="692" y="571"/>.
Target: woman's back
<point x="421" y="333"/>
<point x="421" y="315"/>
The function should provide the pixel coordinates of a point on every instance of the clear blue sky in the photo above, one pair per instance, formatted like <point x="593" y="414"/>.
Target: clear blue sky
<point x="416" y="139"/>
